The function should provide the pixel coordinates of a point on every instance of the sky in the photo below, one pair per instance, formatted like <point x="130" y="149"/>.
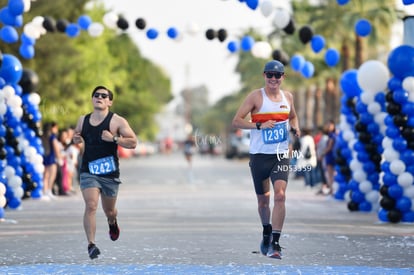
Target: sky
<point x="193" y="60"/>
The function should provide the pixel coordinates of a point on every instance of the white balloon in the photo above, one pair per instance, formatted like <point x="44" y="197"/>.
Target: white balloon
<point x="9" y="171"/>
<point x="34" y="98"/>
<point x="347" y="196"/>
<point x="380" y="117"/>
<point x="409" y="192"/>
<point x="397" y="167"/>
<point x="27" y="5"/>
<point x="374" y="108"/>
<point x="2" y="189"/>
<point x="405" y="179"/>
<point x="110" y="20"/>
<point x="365" y="186"/>
<point x="9" y="91"/>
<point x="193" y="28"/>
<point x="281" y="18"/>
<point x="3" y="108"/>
<point x="17" y="112"/>
<point x="386" y="143"/>
<point x="355" y="165"/>
<point x="373" y="76"/>
<point x="372" y="196"/>
<point x="31" y="30"/>
<point x="408" y="84"/>
<point x="367" y="98"/>
<point x="359" y="175"/>
<point x="390" y="154"/>
<point x="261" y="49"/>
<point x="18" y="192"/>
<point x="15" y="181"/>
<point x="95" y="29"/>
<point x="3" y="201"/>
<point x="348" y="135"/>
<point x="266" y="8"/>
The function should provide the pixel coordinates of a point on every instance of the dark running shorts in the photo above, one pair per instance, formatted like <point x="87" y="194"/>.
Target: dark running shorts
<point x="264" y="166"/>
<point x="108" y="186"/>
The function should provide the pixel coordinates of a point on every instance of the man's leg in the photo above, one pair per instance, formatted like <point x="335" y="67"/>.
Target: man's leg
<point x="108" y="205"/>
<point x="91" y="198"/>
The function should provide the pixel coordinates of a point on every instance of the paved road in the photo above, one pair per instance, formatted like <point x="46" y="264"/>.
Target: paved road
<point x="174" y="222"/>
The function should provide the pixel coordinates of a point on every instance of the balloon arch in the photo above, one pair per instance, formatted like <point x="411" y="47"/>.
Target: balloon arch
<point x="375" y="167"/>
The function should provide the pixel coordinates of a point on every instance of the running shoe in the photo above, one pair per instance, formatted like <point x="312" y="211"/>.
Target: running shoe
<point x="265" y="244"/>
<point x="114" y="231"/>
<point x="275" y="251"/>
<point x="93" y="251"/>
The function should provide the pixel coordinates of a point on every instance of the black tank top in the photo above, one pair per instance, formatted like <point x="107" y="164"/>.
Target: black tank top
<point x="96" y="148"/>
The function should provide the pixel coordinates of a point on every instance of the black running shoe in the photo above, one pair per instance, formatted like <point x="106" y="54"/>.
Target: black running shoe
<point x="114" y="231"/>
<point x="93" y="251"/>
<point x="275" y="251"/>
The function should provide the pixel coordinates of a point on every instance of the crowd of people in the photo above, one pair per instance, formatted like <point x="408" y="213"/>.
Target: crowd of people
<point x="60" y="159"/>
<point x="316" y="160"/>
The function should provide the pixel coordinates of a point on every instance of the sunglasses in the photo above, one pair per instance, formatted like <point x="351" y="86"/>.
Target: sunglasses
<point x="97" y="95"/>
<point x="277" y="75"/>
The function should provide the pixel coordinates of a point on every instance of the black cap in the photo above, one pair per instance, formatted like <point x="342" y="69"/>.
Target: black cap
<point x="274" y="66"/>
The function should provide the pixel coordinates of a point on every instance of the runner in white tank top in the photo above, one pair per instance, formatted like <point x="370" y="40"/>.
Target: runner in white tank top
<point x="274" y="140"/>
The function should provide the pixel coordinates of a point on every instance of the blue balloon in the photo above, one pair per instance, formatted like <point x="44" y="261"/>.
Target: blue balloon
<point x="297" y="62"/>
<point x="399" y="144"/>
<point x="363" y="27"/>
<point x="72" y="30"/>
<point x="27" y="51"/>
<point x="400" y="96"/>
<point x="9" y="34"/>
<point x="247" y="43"/>
<point x="380" y="98"/>
<point x="252" y="4"/>
<point x="365" y="206"/>
<point x="392" y="132"/>
<point x="84" y="21"/>
<point x="408" y="2"/>
<point x="403" y="204"/>
<point x="342" y="2"/>
<point x="401" y="61"/>
<point x="308" y="70"/>
<point x="16" y="7"/>
<point x="11" y="69"/>
<point x="27" y="39"/>
<point x="394" y="83"/>
<point x="317" y="43"/>
<point x="383" y="215"/>
<point x="395" y="191"/>
<point x="152" y="33"/>
<point x="408" y="216"/>
<point x="349" y="83"/>
<point x="9" y="19"/>
<point x="233" y="46"/>
<point x="408" y="108"/>
<point x="331" y="57"/>
<point x="172" y="33"/>
<point x="357" y="196"/>
<point x="389" y="179"/>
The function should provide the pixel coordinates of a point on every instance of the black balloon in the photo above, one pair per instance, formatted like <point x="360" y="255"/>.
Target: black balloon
<point x="384" y="190"/>
<point x="61" y="25"/>
<point x="364" y="137"/>
<point x="122" y="23"/>
<point x="353" y="206"/>
<point x="387" y="203"/>
<point x="359" y="126"/>
<point x="222" y="35"/>
<point x="408" y="133"/>
<point x="281" y="56"/>
<point x="210" y="34"/>
<point x="305" y="34"/>
<point x="393" y="108"/>
<point x="290" y="28"/>
<point x="3" y="153"/>
<point x="29" y="81"/>
<point x="400" y="120"/>
<point x="49" y="24"/>
<point x="140" y="23"/>
<point x="389" y="97"/>
<point x="394" y="216"/>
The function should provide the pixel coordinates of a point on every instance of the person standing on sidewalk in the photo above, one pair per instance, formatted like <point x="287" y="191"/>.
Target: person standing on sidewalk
<point x="101" y="132"/>
<point x="273" y="115"/>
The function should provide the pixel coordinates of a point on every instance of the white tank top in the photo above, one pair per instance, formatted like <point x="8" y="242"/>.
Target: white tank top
<point x="275" y="140"/>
